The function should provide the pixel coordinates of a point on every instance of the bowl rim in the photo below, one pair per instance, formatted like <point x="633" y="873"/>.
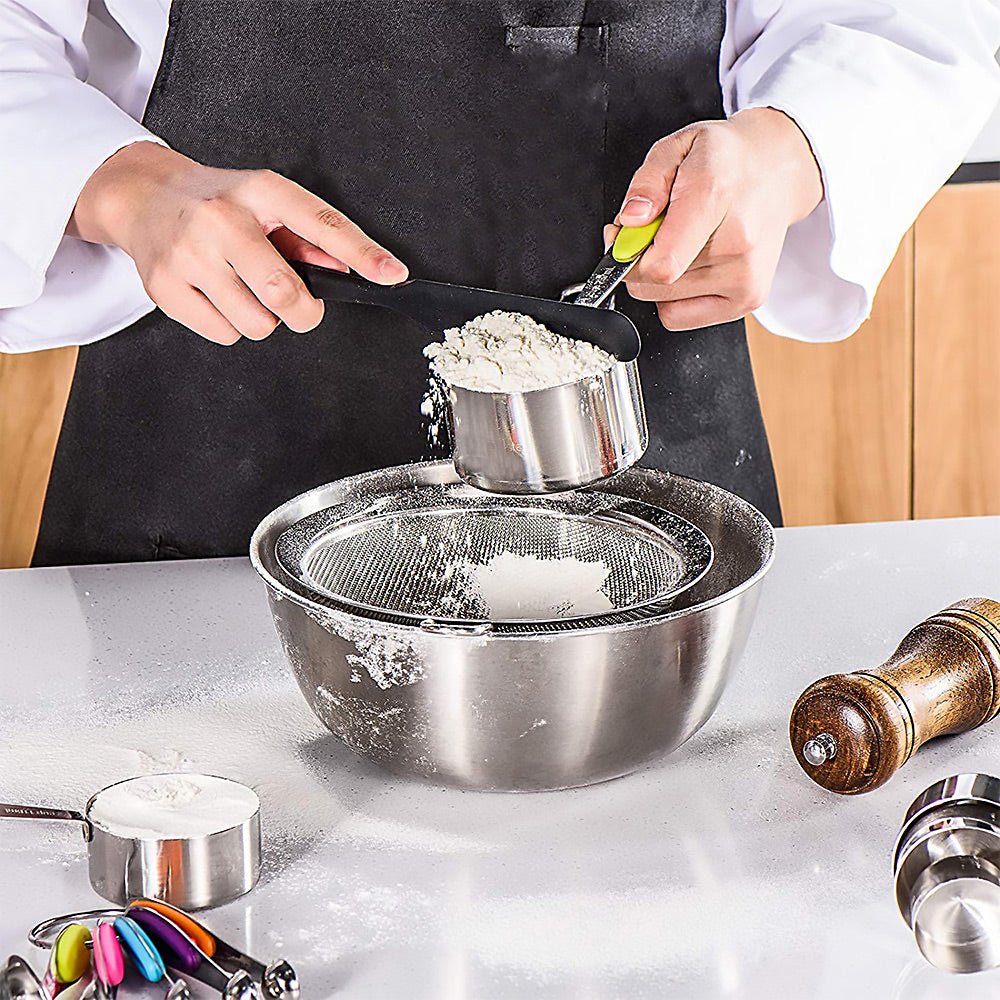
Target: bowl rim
<point x="275" y="585"/>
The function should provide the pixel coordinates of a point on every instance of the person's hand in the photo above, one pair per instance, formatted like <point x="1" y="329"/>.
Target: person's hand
<point x="731" y="189"/>
<point x="212" y="246"/>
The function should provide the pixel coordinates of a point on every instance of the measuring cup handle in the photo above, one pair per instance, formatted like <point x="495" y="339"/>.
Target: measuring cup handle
<point x="10" y="811"/>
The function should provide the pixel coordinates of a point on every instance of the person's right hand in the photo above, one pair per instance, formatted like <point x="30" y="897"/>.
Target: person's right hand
<point x="212" y="246"/>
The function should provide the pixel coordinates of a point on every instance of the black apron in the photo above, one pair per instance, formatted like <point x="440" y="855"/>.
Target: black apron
<point x="486" y="143"/>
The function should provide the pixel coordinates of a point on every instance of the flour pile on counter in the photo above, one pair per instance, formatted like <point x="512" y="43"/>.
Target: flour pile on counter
<point x="511" y="352"/>
<point x="172" y="806"/>
<point x="516" y="587"/>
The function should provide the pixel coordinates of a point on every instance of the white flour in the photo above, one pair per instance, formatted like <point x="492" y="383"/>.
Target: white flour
<point x="510" y="352"/>
<point x="517" y="587"/>
<point x="173" y="806"/>
<point x="391" y="657"/>
<point x="434" y="407"/>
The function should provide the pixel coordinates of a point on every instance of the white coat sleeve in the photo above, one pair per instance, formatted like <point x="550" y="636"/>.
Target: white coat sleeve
<point x="55" y="130"/>
<point x="890" y="95"/>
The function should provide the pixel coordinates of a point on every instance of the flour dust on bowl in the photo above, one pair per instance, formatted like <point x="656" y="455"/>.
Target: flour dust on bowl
<point x="471" y="673"/>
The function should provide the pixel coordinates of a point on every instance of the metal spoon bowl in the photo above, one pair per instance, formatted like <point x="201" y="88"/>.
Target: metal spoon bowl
<point x="19" y="982"/>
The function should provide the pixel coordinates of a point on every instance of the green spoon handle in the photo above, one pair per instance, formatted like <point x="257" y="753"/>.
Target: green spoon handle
<point x="631" y="241"/>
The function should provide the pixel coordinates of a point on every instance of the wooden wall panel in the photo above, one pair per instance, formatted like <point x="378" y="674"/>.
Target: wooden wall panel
<point x="957" y="359"/>
<point x="33" y="393"/>
<point x="839" y="416"/>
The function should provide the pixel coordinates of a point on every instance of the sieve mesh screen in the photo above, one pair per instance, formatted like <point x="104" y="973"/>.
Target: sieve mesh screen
<point x="434" y="559"/>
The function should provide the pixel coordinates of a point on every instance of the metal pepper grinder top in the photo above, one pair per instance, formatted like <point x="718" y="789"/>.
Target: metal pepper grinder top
<point x="852" y="732"/>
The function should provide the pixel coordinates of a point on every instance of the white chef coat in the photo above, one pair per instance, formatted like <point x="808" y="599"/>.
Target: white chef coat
<point x="890" y="93"/>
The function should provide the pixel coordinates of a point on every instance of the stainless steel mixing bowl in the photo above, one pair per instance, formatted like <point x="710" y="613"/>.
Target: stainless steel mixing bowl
<point x="534" y="710"/>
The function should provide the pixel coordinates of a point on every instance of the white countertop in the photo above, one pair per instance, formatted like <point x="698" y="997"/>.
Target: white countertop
<point x="721" y="872"/>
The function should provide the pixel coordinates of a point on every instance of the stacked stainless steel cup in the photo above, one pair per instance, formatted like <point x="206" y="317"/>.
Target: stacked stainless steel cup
<point x="947" y="872"/>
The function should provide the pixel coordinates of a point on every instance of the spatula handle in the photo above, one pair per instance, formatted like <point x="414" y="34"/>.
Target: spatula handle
<point x="852" y="732"/>
<point x="336" y="286"/>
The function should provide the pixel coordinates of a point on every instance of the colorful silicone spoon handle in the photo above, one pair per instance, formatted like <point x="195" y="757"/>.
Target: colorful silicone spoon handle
<point x="142" y="950"/>
<point x="633" y="240"/>
<point x="198" y="934"/>
<point x="174" y="945"/>
<point x="109" y="961"/>
<point x="70" y="958"/>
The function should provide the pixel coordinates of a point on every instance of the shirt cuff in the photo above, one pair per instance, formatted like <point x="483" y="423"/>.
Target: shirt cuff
<point x="888" y="125"/>
<point x="55" y="131"/>
<point x="91" y="291"/>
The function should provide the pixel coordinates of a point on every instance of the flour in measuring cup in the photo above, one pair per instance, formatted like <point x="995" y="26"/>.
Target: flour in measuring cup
<point x="172" y="806"/>
<point x="511" y="352"/>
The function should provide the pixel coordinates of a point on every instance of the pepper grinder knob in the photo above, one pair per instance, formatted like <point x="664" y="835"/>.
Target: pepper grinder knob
<point x="852" y="732"/>
<point x="820" y="749"/>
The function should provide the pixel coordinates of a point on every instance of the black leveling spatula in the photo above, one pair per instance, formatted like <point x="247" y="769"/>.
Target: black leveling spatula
<point x="441" y="306"/>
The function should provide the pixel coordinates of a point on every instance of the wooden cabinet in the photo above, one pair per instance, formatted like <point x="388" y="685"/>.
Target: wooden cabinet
<point x="956" y="433"/>
<point x="33" y="393"/>
<point x="898" y="421"/>
<point x="839" y="415"/>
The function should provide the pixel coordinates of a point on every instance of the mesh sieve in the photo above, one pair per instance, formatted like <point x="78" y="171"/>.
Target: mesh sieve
<point x="427" y="553"/>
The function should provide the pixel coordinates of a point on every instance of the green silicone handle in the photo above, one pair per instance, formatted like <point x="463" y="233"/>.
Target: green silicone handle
<point x="632" y="240"/>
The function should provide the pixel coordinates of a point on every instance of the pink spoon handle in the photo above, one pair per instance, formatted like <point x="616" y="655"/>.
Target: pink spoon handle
<point x="50" y="984"/>
<point x="109" y="962"/>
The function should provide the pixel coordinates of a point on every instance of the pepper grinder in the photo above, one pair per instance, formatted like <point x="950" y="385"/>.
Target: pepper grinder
<point x="852" y="732"/>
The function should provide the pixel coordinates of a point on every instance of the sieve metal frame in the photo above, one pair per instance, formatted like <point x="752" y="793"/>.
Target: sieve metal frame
<point x="657" y="524"/>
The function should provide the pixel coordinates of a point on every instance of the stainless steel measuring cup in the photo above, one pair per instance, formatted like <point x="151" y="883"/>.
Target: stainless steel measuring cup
<point x="192" y="873"/>
<point x="562" y="437"/>
<point x="547" y="440"/>
<point x="947" y="872"/>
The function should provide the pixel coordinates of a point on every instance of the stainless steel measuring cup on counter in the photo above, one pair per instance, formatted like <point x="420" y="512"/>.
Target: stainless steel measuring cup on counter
<point x="947" y="872"/>
<point x="191" y="872"/>
<point x="546" y="440"/>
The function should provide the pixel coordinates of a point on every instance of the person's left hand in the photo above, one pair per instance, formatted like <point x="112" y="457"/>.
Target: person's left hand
<point x="730" y="189"/>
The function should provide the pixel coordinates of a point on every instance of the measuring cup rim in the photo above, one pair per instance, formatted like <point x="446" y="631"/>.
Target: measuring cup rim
<point x="93" y="826"/>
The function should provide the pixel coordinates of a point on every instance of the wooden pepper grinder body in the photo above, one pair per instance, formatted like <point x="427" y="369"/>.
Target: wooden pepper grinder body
<point x="852" y="732"/>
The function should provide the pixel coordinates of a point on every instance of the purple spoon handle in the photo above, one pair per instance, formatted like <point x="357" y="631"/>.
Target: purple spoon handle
<point x="179" y="951"/>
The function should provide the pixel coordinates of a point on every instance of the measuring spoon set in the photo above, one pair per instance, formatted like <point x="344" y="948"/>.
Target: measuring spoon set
<point x="154" y="938"/>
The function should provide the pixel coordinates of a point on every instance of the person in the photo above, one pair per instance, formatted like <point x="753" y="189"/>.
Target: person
<point x="792" y="142"/>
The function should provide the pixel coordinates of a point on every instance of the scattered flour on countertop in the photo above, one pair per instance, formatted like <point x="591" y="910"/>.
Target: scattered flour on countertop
<point x="517" y="587"/>
<point x="261" y="733"/>
<point x="511" y="352"/>
<point x="173" y="806"/>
